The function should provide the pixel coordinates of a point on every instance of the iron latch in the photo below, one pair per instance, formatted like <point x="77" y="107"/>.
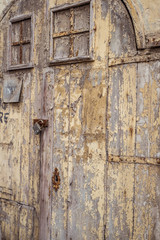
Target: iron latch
<point x="39" y="125"/>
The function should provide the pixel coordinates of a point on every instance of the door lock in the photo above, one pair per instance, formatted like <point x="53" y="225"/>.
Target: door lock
<point x="39" y="125"/>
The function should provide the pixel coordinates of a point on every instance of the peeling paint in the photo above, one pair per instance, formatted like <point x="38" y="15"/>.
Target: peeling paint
<point x="103" y="129"/>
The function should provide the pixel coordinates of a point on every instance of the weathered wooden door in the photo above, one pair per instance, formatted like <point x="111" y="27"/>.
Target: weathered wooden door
<point x="77" y="149"/>
<point x="75" y="143"/>
<point x="95" y="148"/>
<point x="91" y="68"/>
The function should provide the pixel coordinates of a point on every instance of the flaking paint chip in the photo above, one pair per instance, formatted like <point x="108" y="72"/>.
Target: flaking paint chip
<point x="12" y="90"/>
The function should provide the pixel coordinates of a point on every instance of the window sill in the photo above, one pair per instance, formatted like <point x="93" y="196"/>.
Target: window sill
<point x="18" y="67"/>
<point x="63" y="61"/>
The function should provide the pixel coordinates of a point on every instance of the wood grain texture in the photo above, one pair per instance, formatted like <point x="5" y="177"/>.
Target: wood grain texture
<point x="87" y="154"/>
<point x="120" y="197"/>
<point x="122" y="110"/>
<point x="146" y="213"/>
<point x="148" y="105"/>
<point x="16" y="220"/>
<point x="60" y="152"/>
<point x="103" y="132"/>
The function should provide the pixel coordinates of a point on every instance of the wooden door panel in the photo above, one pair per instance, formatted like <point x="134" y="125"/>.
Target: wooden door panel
<point x="87" y="154"/>
<point x="148" y="107"/>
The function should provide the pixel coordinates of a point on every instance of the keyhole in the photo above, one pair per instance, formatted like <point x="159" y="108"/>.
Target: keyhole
<point x="56" y="178"/>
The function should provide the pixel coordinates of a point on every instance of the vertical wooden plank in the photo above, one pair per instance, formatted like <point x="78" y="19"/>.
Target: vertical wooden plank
<point x="113" y="112"/>
<point x="5" y="223"/>
<point x="34" y="153"/>
<point x="18" y="136"/>
<point x="30" y="223"/>
<point x="76" y="144"/>
<point x="60" y="152"/>
<point x="87" y="154"/>
<point x="15" y="155"/>
<point x="9" y="219"/>
<point x="143" y="107"/>
<point x="120" y="196"/>
<point x="147" y="207"/>
<point x="127" y="107"/>
<point x="25" y="139"/>
<point x="148" y="95"/>
<point x="122" y="110"/>
<point x="25" y="223"/>
<point x="155" y="110"/>
<point x="6" y="149"/>
<point x="13" y="212"/>
<point x="16" y="220"/>
<point x="47" y="105"/>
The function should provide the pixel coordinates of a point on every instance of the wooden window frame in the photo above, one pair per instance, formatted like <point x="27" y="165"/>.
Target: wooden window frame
<point x="14" y="20"/>
<point x="68" y="60"/>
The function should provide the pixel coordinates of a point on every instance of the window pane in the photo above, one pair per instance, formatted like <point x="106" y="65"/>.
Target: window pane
<point x="25" y="53"/>
<point x="16" y="27"/>
<point x="82" y="18"/>
<point x="81" y="45"/>
<point x="15" y="55"/>
<point x="61" y="47"/>
<point x="61" y="21"/>
<point x="26" y="30"/>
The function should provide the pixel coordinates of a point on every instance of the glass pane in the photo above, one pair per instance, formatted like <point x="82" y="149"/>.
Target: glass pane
<point x="81" y="45"/>
<point x="26" y="30"/>
<point x="61" y="47"/>
<point x="25" y="53"/>
<point x="82" y="18"/>
<point x="16" y="27"/>
<point x="61" y="21"/>
<point x="15" y="55"/>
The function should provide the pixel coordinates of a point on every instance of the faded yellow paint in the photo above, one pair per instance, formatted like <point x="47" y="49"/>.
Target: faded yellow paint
<point x="103" y="133"/>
